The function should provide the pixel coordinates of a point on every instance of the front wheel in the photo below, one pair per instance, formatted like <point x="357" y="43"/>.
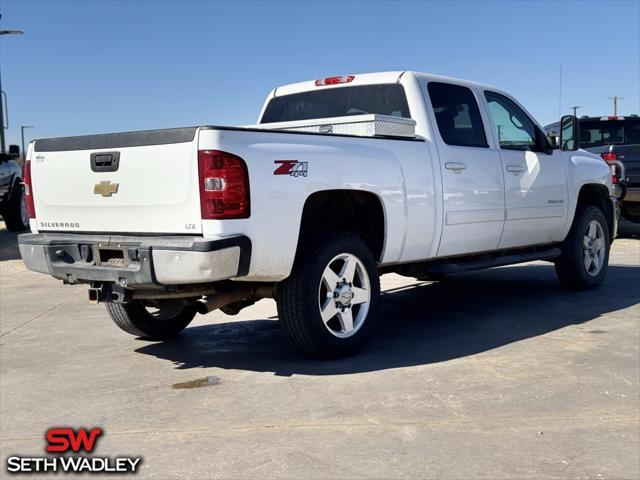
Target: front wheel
<point x="160" y="321"/>
<point x="585" y="252"/>
<point x="328" y="305"/>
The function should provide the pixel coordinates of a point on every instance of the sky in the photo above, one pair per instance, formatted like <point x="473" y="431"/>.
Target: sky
<point x="86" y="67"/>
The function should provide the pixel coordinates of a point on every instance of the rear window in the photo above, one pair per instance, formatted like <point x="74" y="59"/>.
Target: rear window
<point x="597" y="133"/>
<point x="383" y="99"/>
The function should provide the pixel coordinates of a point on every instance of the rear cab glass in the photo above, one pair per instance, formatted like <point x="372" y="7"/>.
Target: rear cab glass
<point x="599" y="133"/>
<point x="380" y="99"/>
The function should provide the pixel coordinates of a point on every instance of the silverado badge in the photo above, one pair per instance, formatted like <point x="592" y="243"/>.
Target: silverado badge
<point x="105" y="188"/>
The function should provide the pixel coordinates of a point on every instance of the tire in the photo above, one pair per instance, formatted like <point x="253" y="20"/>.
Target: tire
<point x="15" y="213"/>
<point x="169" y="319"/>
<point x="585" y="252"/>
<point x="315" y="285"/>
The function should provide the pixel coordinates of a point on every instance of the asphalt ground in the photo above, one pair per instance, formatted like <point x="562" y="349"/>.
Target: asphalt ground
<point x="496" y="374"/>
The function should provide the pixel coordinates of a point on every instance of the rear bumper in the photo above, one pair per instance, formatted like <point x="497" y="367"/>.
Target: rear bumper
<point x="135" y="261"/>
<point x="633" y="195"/>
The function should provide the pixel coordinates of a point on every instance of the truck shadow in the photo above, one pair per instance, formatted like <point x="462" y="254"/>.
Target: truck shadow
<point x="627" y="229"/>
<point x="9" y="243"/>
<point x="418" y="325"/>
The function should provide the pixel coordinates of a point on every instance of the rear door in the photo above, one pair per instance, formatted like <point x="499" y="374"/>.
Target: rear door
<point x="472" y="179"/>
<point x="139" y="182"/>
<point x="535" y="181"/>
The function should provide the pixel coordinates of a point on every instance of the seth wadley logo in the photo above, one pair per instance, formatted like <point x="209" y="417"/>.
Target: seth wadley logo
<point x="65" y="440"/>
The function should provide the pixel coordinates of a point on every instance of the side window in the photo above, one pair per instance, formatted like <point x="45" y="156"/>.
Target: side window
<point x="457" y="115"/>
<point x="514" y="128"/>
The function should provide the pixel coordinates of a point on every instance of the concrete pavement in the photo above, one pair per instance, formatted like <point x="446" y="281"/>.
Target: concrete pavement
<point x="496" y="374"/>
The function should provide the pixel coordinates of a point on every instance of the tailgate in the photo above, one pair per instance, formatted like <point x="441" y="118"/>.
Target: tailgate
<point x="630" y="156"/>
<point x="137" y="182"/>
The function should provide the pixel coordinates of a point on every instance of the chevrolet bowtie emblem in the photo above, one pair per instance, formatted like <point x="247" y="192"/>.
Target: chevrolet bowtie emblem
<point x="105" y="188"/>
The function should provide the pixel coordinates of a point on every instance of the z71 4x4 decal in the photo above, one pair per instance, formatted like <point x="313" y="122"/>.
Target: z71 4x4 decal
<point x="293" y="168"/>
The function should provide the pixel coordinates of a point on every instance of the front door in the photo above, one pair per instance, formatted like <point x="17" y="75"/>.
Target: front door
<point x="472" y="178"/>
<point x="535" y="181"/>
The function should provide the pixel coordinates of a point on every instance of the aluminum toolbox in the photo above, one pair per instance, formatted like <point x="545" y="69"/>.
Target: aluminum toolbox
<point x="368" y="125"/>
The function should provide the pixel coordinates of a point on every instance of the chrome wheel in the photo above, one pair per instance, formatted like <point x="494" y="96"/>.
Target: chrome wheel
<point x="344" y="295"/>
<point x="594" y="247"/>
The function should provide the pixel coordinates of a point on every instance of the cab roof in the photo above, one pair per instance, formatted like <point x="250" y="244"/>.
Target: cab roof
<point x="371" y="79"/>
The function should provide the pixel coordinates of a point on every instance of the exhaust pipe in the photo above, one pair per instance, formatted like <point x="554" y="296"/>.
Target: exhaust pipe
<point x="218" y="300"/>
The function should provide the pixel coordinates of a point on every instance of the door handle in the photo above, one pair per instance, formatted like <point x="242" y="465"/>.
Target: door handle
<point x="515" y="169"/>
<point x="105" y="161"/>
<point x="457" y="167"/>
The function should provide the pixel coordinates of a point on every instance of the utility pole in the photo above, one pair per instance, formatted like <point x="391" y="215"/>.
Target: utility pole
<point x="2" y="113"/>
<point x="560" y="94"/>
<point x="615" y="99"/>
<point x="575" y="109"/>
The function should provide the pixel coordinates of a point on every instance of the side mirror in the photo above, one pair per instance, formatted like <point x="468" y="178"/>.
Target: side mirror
<point x="569" y="133"/>
<point x="14" y="152"/>
<point x="554" y="138"/>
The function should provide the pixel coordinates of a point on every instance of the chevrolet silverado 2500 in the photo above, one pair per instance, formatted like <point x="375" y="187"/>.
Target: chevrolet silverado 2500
<point x="342" y="179"/>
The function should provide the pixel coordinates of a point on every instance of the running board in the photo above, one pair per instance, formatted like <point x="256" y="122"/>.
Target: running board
<point x="465" y="265"/>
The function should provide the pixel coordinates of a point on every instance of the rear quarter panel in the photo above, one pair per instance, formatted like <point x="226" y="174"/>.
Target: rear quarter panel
<point x="398" y="172"/>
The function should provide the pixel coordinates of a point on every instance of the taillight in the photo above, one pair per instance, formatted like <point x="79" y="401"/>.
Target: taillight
<point x="28" y="190"/>
<point x="611" y="158"/>
<point x="224" y="185"/>
<point x="334" y="80"/>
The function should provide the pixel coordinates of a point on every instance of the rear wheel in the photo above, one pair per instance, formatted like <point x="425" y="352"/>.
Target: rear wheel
<point x="15" y="214"/>
<point x="163" y="320"/>
<point x="328" y="305"/>
<point x="585" y="252"/>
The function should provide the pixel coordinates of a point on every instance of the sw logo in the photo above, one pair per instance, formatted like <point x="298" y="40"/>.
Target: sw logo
<point x="66" y="440"/>
<point x="293" y="168"/>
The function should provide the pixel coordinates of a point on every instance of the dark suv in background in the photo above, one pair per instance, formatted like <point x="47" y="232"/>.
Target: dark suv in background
<point x="615" y="139"/>
<point x="13" y="207"/>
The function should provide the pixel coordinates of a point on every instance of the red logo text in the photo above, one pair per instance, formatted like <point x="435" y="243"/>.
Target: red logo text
<point x="65" y="439"/>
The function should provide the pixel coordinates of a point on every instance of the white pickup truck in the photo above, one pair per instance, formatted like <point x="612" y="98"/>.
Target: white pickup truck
<point x="342" y="179"/>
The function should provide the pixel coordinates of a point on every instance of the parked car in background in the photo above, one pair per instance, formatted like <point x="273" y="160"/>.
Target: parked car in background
<point x="617" y="140"/>
<point x="343" y="178"/>
<point x="13" y="206"/>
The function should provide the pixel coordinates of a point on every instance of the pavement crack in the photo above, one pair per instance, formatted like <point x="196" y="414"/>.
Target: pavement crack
<point x="385" y="426"/>
<point x="40" y="314"/>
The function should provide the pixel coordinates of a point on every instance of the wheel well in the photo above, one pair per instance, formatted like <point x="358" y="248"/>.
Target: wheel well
<point x="598" y="196"/>
<point x="346" y="211"/>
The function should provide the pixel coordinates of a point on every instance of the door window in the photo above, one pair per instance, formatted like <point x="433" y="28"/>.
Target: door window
<point x="514" y="129"/>
<point x="457" y="115"/>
